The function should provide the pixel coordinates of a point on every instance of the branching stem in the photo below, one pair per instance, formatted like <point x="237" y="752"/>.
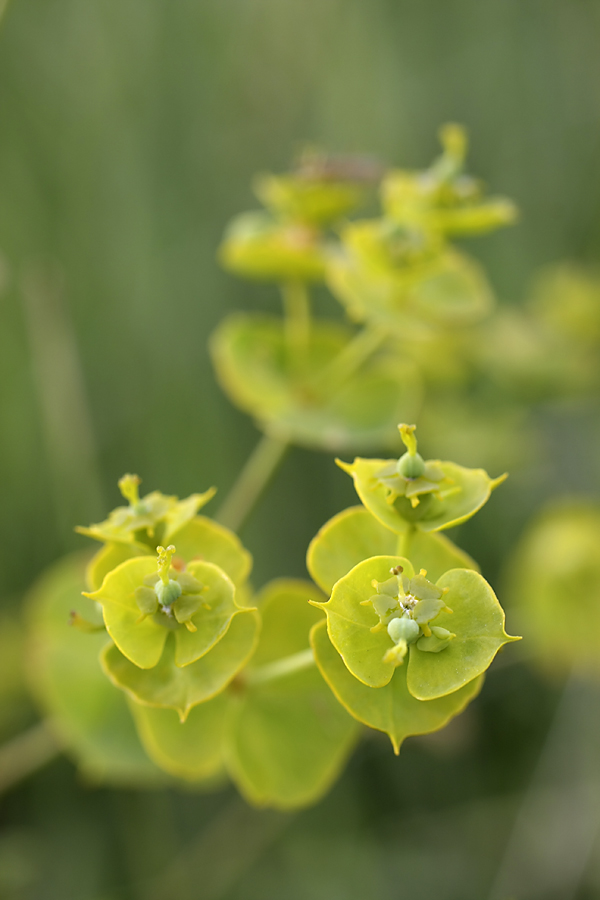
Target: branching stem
<point x="251" y="481"/>
<point x="353" y="355"/>
<point x="296" y="305"/>
<point x="280" y="668"/>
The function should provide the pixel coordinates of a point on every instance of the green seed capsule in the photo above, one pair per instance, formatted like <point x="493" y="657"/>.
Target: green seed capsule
<point x="403" y="629"/>
<point x="168" y="593"/>
<point x="411" y="465"/>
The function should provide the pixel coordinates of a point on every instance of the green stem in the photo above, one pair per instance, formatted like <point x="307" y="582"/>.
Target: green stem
<point x="296" y="306"/>
<point x="251" y="481"/>
<point x="405" y="540"/>
<point x="353" y="355"/>
<point x="26" y="753"/>
<point x="279" y="668"/>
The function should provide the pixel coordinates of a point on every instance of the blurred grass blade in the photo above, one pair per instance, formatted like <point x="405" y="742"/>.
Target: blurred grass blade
<point x="64" y="411"/>
<point x="26" y="753"/>
<point x="555" y="830"/>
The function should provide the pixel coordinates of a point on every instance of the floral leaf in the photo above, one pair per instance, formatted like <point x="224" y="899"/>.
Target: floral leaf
<point x="203" y="540"/>
<point x="214" y="617"/>
<point x="256" y="245"/>
<point x="434" y="552"/>
<point x="87" y="713"/>
<point x="477" y="620"/>
<point x="169" y="685"/>
<point x="355" y="534"/>
<point x="252" y="359"/>
<point x="142" y="641"/>
<point x="288" y="737"/>
<point x="192" y="749"/>
<point x="461" y="496"/>
<point x="391" y="708"/>
<point x="108" y="558"/>
<point x="141" y="637"/>
<point x="554" y="584"/>
<point x="350" y="622"/>
<point x="343" y="542"/>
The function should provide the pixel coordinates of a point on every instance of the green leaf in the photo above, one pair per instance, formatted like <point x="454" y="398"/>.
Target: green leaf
<point x="88" y="714"/>
<point x="180" y="688"/>
<point x="477" y="620"/>
<point x="554" y="586"/>
<point x="349" y="623"/>
<point x="142" y="640"/>
<point x="288" y="736"/>
<point x="354" y="535"/>
<point x="257" y="371"/>
<point x="343" y="542"/>
<point x="192" y="749"/>
<point x="203" y="540"/>
<point x="391" y="708"/>
<point x="466" y="491"/>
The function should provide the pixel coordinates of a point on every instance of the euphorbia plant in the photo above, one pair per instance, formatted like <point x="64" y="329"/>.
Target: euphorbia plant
<point x="398" y="627"/>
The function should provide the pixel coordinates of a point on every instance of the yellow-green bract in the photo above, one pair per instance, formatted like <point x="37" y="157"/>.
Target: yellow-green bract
<point x="354" y="535"/>
<point x="553" y="581"/>
<point x="147" y="521"/>
<point x="88" y="714"/>
<point x="311" y="401"/>
<point x="477" y="620"/>
<point x="391" y="708"/>
<point x="446" y="504"/>
<point x="278" y="730"/>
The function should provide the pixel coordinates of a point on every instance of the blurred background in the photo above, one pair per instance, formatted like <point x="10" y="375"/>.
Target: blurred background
<point x="129" y="136"/>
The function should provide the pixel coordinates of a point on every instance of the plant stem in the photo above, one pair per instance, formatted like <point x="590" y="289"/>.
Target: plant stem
<point x="356" y="351"/>
<point x="251" y="481"/>
<point x="272" y="671"/>
<point x="404" y="542"/>
<point x="26" y="753"/>
<point x="296" y="305"/>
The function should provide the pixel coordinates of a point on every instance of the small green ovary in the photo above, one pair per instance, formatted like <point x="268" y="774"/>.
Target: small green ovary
<point x="171" y="597"/>
<point x="411" y="477"/>
<point x="405" y="607"/>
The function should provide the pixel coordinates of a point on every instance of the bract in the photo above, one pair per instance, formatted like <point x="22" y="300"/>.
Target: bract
<point x="442" y="505"/>
<point x="449" y="289"/>
<point x="171" y="686"/>
<point x="288" y="736"/>
<point x="355" y="534"/>
<point x="149" y="520"/>
<point x="192" y="749"/>
<point x="86" y="712"/>
<point x="313" y="201"/>
<point x="460" y="612"/>
<point x="391" y="708"/>
<point x="199" y="539"/>
<point x="350" y="622"/>
<point x="258" y="372"/>
<point x="257" y="245"/>
<point x="553" y="580"/>
<point x="477" y="621"/>
<point x="141" y="638"/>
